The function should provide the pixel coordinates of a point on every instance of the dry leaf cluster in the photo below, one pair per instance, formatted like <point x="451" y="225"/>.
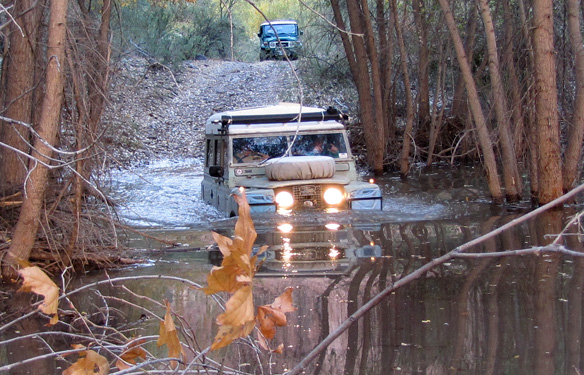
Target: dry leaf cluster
<point x="235" y="276"/>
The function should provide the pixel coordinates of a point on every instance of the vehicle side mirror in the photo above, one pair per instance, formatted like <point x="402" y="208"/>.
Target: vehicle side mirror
<point x="301" y="32"/>
<point x="260" y="35"/>
<point x="216" y="171"/>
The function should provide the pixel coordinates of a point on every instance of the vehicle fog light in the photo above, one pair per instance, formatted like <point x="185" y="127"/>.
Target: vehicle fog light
<point x="284" y="199"/>
<point x="333" y="196"/>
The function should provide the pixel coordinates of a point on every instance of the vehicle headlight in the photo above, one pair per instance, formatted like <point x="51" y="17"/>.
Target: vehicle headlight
<point x="284" y="199"/>
<point x="333" y="196"/>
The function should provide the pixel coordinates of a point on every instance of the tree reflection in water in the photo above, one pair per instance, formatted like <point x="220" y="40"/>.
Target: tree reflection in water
<point x="506" y="315"/>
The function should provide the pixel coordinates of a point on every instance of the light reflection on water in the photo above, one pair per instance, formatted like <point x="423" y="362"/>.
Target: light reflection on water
<point x="166" y="194"/>
<point x="465" y="317"/>
<point x="516" y="315"/>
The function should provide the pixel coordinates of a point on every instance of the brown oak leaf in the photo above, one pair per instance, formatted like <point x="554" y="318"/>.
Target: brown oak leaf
<point x="36" y="281"/>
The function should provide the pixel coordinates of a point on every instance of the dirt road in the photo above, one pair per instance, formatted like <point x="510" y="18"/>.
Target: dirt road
<point x="156" y="113"/>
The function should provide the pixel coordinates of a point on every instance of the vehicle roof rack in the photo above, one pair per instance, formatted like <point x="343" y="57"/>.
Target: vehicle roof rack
<point x="330" y="113"/>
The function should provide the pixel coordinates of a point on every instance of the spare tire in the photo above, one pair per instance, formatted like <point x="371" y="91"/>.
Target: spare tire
<point x="301" y="168"/>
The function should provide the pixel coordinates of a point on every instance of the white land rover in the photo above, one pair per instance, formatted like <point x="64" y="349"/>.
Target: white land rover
<point x="286" y="157"/>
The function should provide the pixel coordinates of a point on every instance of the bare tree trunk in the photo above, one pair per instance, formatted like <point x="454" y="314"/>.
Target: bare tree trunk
<point x="25" y="231"/>
<point x="18" y="73"/>
<point x="385" y="56"/>
<point x="459" y="101"/>
<point x="405" y="155"/>
<point x="436" y="118"/>
<point x="546" y="103"/>
<point x="515" y="90"/>
<point x="90" y="97"/>
<point x="345" y="38"/>
<point x="386" y="44"/>
<point x="511" y="177"/>
<point x="423" y="95"/>
<point x="530" y="117"/>
<point x="475" y="106"/>
<point x="377" y="127"/>
<point x="574" y="148"/>
<point x="369" y="97"/>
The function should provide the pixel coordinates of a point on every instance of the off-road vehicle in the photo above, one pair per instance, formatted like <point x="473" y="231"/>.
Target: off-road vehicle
<point x="277" y="37"/>
<point x="287" y="157"/>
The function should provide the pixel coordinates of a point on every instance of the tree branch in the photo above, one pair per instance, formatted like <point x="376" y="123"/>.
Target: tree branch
<point x="420" y="272"/>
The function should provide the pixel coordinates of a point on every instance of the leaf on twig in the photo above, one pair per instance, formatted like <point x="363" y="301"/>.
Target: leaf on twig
<point x="223" y="279"/>
<point x="224" y="243"/>
<point x="239" y="308"/>
<point x="36" y="281"/>
<point x="271" y="316"/>
<point x="88" y="362"/>
<point x="227" y="334"/>
<point x="169" y="336"/>
<point x="235" y="276"/>
<point x="133" y="351"/>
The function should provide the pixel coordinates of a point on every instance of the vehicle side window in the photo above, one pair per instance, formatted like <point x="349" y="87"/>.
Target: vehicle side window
<point x="210" y="157"/>
<point x="222" y="153"/>
<point x="216" y="152"/>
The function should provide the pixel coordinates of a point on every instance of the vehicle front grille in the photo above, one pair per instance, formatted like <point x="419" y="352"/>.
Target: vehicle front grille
<point x="283" y="43"/>
<point x="308" y="196"/>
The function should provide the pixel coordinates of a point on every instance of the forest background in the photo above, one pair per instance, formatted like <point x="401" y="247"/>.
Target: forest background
<point x="498" y="83"/>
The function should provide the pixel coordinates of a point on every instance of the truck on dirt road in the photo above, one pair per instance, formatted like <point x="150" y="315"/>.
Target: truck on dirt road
<point x="279" y="39"/>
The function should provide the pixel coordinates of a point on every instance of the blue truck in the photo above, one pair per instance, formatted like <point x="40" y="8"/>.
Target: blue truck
<point x="279" y="39"/>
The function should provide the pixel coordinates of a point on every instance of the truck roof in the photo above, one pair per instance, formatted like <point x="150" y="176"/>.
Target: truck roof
<point x="283" y="117"/>
<point x="280" y="22"/>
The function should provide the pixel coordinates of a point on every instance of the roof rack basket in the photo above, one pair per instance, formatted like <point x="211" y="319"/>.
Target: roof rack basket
<point x="330" y="113"/>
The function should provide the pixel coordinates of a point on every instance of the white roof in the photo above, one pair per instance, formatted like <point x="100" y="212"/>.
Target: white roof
<point x="280" y="22"/>
<point x="213" y="125"/>
<point x="276" y="109"/>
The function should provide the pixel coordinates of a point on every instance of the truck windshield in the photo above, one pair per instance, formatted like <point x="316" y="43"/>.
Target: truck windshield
<point x="257" y="149"/>
<point x="280" y="29"/>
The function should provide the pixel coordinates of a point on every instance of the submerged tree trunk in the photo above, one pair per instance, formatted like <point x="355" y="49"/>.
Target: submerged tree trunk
<point x="511" y="177"/>
<point x="404" y="163"/>
<point x="475" y="106"/>
<point x="517" y="120"/>
<point x="531" y="138"/>
<point x="25" y="231"/>
<point x="576" y="134"/>
<point x="546" y="103"/>
<point x="361" y="48"/>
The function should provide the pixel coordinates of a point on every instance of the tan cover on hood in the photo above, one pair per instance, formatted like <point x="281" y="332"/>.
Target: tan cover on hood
<point x="301" y="168"/>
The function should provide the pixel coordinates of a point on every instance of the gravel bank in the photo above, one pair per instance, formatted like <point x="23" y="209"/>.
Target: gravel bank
<point x="156" y="113"/>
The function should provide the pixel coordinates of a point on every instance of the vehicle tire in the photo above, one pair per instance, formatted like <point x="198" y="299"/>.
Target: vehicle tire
<point x="263" y="55"/>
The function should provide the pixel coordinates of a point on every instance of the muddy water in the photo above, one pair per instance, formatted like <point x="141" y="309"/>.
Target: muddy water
<point x="512" y="315"/>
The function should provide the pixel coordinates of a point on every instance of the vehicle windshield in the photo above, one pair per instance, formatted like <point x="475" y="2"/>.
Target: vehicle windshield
<point x="258" y="149"/>
<point x="280" y="29"/>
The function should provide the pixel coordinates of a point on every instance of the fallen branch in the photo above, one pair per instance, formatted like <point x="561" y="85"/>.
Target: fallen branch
<point x="537" y="250"/>
<point x="11" y="200"/>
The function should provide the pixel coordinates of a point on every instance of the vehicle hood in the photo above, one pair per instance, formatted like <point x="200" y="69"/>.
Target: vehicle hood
<point x="283" y="37"/>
